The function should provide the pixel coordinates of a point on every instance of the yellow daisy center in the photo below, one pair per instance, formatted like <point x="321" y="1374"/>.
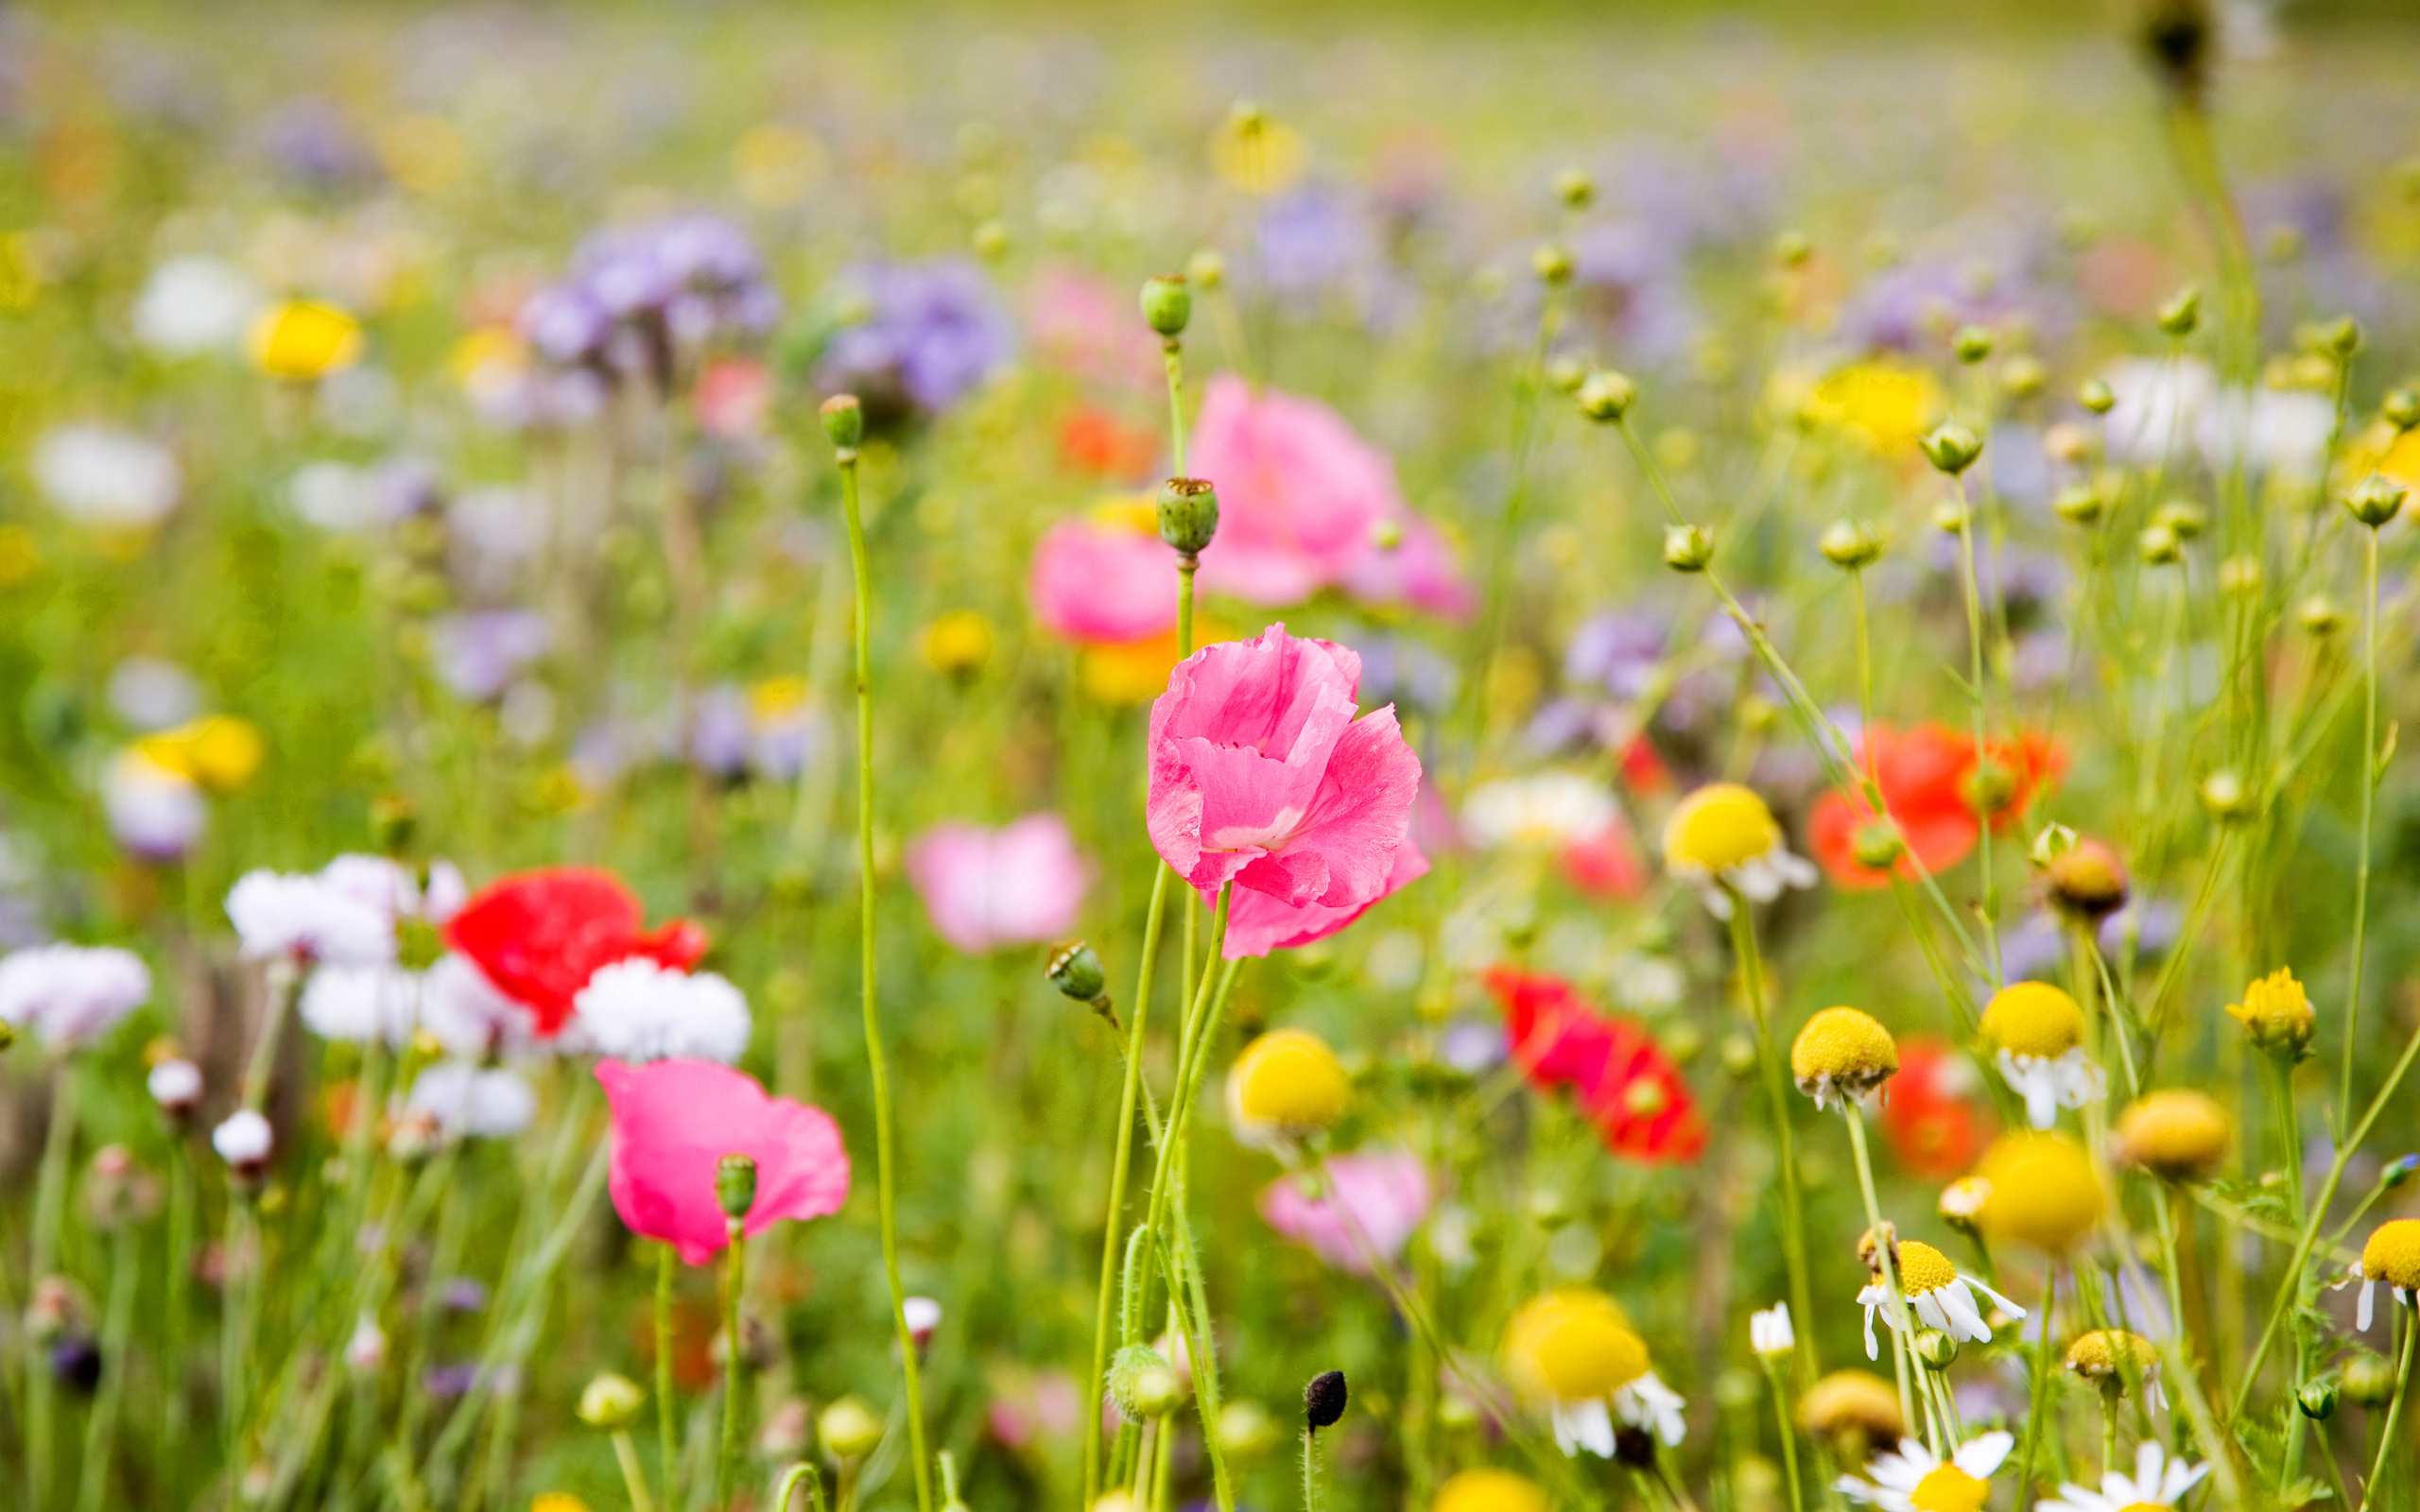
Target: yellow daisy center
<point x="305" y="339"/>
<point x="1949" y="1490"/>
<point x="2103" y="1351"/>
<point x="1845" y="1046"/>
<point x="2393" y="1254"/>
<point x="1574" y="1345"/>
<point x="2044" y="1191"/>
<point x="1489" y="1491"/>
<point x="1289" y="1080"/>
<point x="2173" y="1133"/>
<point x="1718" y="827"/>
<point x="2146" y="1506"/>
<point x="2033" y="1019"/>
<point x="1923" y="1268"/>
<point x="1848" y="1401"/>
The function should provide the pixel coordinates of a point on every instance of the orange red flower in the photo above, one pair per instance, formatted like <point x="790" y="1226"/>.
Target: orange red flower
<point x="1933" y="1121"/>
<point x="1622" y="1080"/>
<point x="1935" y="791"/>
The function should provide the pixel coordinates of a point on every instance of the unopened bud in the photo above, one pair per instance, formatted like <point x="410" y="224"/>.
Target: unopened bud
<point x="2089" y="882"/>
<point x="2375" y="501"/>
<point x="1167" y="303"/>
<point x="1850" y="543"/>
<point x="2240" y="576"/>
<point x="1973" y="344"/>
<point x="1074" y="970"/>
<point x="2398" y="1171"/>
<point x="2317" y="1399"/>
<point x="1324" y="1400"/>
<point x="2179" y="315"/>
<point x="2023" y="376"/>
<point x="1606" y="395"/>
<point x="844" y="420"/>
<point x="2225" y="795"/>
<point x="2096" y="396"/>
<point x="1552" y="263"/>
<point x="1950" y="516"/>
<point x="2158" y="545"/>
<point x="610" y="1402"/>
<point x="1566" y="373"/>
<point x="2400" y="408"/>
<point x="1792" y="249"/>
<point x="1142" y="1385"/>
<point x="2187" y="519"/>
<point x="2341" y="337"/>
<point x="392" y="824"/>
<point x="1575" y="188"/>
<point x="1205" y="269"/>
<point x="1938" y="1350"/>
<point x="2079" y="504"/>
<point x="735" y="1185"/>
<point x="1687" y="548"/>
<point x="848" y="1429"/>
<point x="1877" y="845"/>
<point x="2369" y="1381"/>
<point x="1952" y="448"/>
<point x="1188" y="514"/>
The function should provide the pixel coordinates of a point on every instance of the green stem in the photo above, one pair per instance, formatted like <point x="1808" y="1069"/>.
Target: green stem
<point x="50" y="1202"/>
<point x="885" y="1157"/>
<point x="667" y="1439"/>
<point x="180" y="1278"/>
<point x="1789" y="1435"/>
<point x="2361" y="869"/>
<point x="1973" y="591"/>
<point x="633" y="1478"/>
<point x="283" y="983"/>
<point x="1902" y="1325"/>
<point x="1743" y="938"/>
<point x="2041" y="1404"/>
<point x="116" y="1329"/>
<point x="800" y="1474"/>
<point x="1173" y="350"/>
<point x="1311" y="1477"/>
<point x="2389" y="1435"/>
<point x="735" y="1361"/>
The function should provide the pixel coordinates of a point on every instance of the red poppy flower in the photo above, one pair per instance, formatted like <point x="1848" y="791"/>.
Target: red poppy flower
<point x="1606" y="864"/>
<point x="1098" y="444"/>
<point x="1933" y="1120"/>
<point x="1622" y="1080"/>
<point x="1927" y="777"/>
<point x="540" y="936"/>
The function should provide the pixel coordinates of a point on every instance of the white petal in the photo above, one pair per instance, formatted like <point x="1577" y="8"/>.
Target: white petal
<point x="1584" y="1425"/>
<point x="1717" y="903"/>
<point x="2079" y="1080"/>
<point x="1965" y="1319"/>
<point x="2147" y="1463"/>
<point x="1930" y="1313"/>
<point x="2362" y="1314"/>
<point x="1756" y="880"/>
<point x="2031" y="1080"/>
<point x="2005" y="1305"/>
<point x="1870" y="1350"/>
<point x="1981" y="1455"/>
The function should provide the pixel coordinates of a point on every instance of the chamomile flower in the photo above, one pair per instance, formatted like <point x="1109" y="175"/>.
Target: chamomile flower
<point x="2392" y="1256"/>
<point x="1574" y="1353"/>
<point x="1939" y="1295"/>
<point x="1841" y="1055"/>
<point x="2157" y="1482"/>
<point x="2039" y="1190"/>
<point x="1770" y="1334"/>
<point x="1286" y="1085"/>
<point x="1723" y="840"/>
<point x="2112" y="1358"/>
<point x="2038" y="1031"/>
<point x="1916" y="1480"/>
<point x="2176" y="1134"/>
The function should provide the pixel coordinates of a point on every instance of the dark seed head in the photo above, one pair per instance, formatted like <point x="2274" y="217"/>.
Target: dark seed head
<point x="1635" y="1447"/>
<point x="1324" y="1400"/>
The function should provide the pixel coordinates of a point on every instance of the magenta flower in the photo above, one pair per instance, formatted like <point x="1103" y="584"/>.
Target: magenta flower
<point x="1304" y="504"/>
<point x="674" y="1120"/>
<point x="1103" y="582"/>
<point x="984" y="888"/>
<point x="1261" y="776"/>
<point x="1385" y="1195"/>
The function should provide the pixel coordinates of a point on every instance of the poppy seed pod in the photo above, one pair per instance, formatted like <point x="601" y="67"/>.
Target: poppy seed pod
<point x="1605" y="395"/>
<point x="1076" y="971"/>
<point x="1952" y="448"/>
<point x="2374" y="501"/>
<point x="735" y="1185"/>
<point x="1188" y="514"/>
<point x="844" y="420"/>
<point x="1167" y="303"/>
<point x="1324" y="1400"/>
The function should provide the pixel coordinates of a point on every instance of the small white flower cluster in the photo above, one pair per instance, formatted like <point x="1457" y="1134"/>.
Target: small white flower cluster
<point x="638" y="1009"/>
<point x="344" y="914"/>
<point x="470" y="1102"/>
<point x="1548" y="809"/>
<point x="453" y="1000"/>
<point x="71" y="995"/>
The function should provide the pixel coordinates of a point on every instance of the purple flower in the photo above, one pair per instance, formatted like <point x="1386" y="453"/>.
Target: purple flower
<point x="932" y="330"/>
<point x="719" y="731"/>
<point x="638" y="296"/>
<point x="481" y="653"/>
<point x="1396" y="670"/>
<point x="447" y="1381"/>
<point x="1618" y="652"/>
<point x="1309" y="239"/>
<point x="311" y="141"/>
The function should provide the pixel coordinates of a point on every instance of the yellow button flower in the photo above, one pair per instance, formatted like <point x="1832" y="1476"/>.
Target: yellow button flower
<point x="1285" y="1085"/>
<point x="1851" y="1410"/>
<point x="1937" y="1293"/>
<point x="957" y="644"/>
<point x="2037" y="1032"/>
<point x="304" y="340"/>
<point x="2276" y="1014"/>
<point x="2045" y="1192"/>
<point x="1574" y="1350"/>
<point x="2392" y="1256"/>
<point x="1843" y="1054"/>
<point x="1723" y="840"/>
<point x="216" y="752"/>
<point x="1882" y="404"/>
<point x="2176" y="1134"/>
<point x="2112" y="1358"/>
<point x="1914" y="1480"/>
<point x="1489" y="1491"/>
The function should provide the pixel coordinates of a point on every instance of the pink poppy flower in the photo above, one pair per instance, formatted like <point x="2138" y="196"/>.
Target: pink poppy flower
<point x="1262" y="775"/>
<point x="675" y="1120"/>
<point x="1100" y="581"/>
<point x="1384" y="1194"/>
<point x="1418" y="569"/>
<point x="1086" y="325"/>
<point x="985" y="888"/>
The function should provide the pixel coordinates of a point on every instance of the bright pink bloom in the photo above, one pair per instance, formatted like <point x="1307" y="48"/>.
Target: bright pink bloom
<point x="1258" y="922"/>
<point x="1385" y="1195"/>
<point x="675" y="1120"/>
<point x="1014" y="885"/>
<point x="540" y="936"/>
<point x="1262" y="775"/>
<point x="1304" y="504"/>
<point x="1088" y="326"/>
<point x="1102" y="583"/>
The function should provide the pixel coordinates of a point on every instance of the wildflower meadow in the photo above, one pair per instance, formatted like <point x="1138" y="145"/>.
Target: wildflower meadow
<point x="999" y="758"/>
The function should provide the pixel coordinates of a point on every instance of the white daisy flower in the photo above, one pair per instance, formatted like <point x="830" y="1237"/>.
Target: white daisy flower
<point x="2392" y="1256"/>
<point x="1572" y="1352"/>
<point x="1548" y="809"/>
<point x="2038" y="1032"/>
<point x="72" y="994"/>
<point x="1770" y="1334"/>
<point x="468" y="1101"/>
<point x="637" y="1009"/>
<point x="1914" y="1480"/>
<point x="194" y="304"/>
<point x="358" y="1004"/>
<point x="301" y="916"/>
<point x="100" y="475"/>
<point x="1939" y="1295"/>
<point x="1723" y="840"/>
<point x="2157" y="1482"/>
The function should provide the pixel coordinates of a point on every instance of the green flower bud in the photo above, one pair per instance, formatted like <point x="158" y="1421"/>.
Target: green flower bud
<point x="2079" y="504"/>
<point x="844" y="421"/>
<point x="735" y="1185"/>
<point x="2187" y="519"/>
<point x="1552" y="263"/>
<point x="1246" y="1432"/>
<point x="2225" y="795"/>
<point x="1938" y="1350"/>
<point x="394" y="823"/>
<point x="1973" y="344"/>
<point x="2341" y="337"/>
<point x="1142" y="1385"/>
<point x="2240" y="576"/>
<point x="2317" y="1399"/>
<point x="848" y="1429"/>
<point x="1205" y="269"/>
<point x="2022" y="376"/>
<point x="2374" y="501"/>
<point x="1564" y="375"/>
<point x="2054" y="842"/>
<point x="1188" y="514"/>
<point x="2369" y="1379"/>
<point x="1792" y="249"/>
<point x="992" y="240"/>
<point x="1952" y="448"/>
<point x="2179" y="315"/>
<point x="2319" y="615"/>
<point x="1606" y="395"/>
<point x="1878" y="846"/>
<point x="2158" y="545"/>
<point x="2095" y="396"/>
<point x="1076" y="971"/>
<point x="1575" y="188"/>
<point x="610" y="1402"/>
<point x="1687" y="548"/>
<point x="1850" y="543"/>
<point x="1950" y="516"/>
<point x="2398" y="1171"/>
<point x="1167" y="303"/>
<point x="2400" y="408"/>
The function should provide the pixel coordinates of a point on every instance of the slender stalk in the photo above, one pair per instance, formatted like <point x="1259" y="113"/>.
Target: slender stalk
<point x="633" y="1478"/>
<point x="117" y="1328"/>
<point x="1311" y="1477"/>
<point x="2390" y="1435"/>
<point x="885" y="1157"/>
<point x="1793" y="1236"/>
<point x="2361" y="866"/>
<point x="50" y="1202"/>
<point x="1973" y="591"/>
<point x="2041" y="1404"/>
<point x="179" y="1279"/>
<point x="1172" y="349"/>
<point x="283" y="983"/>
<point x="1901" y="1324"/>
<point x="798" y="1475"/>
<point x="734" y="1278"/>
<point x="1789" y="1435"/>
<point x="667" y="1439"/>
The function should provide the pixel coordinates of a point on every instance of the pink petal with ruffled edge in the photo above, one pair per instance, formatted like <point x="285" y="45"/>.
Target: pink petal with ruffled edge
<point x="1102" y="585"/>
<point x="675" y="1120"/>
<point x="1385" y="1193"/>
<point x="1258" y="923"/>
<point x="1298" y="494"/>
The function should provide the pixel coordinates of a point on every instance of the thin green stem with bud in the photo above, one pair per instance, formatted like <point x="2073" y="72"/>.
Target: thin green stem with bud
<point x="1902" y="1325"/>
<point x="2390" y="1435"/>
<point x="1972" y="589"/>
<point x="734" y="1360"/>
<point x="1793" y="1235"/>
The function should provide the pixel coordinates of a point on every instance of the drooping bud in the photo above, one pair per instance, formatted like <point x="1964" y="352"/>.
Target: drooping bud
<point x="844" y="420"/>
<point x="1952" y="448"/>
<point x="1074" y="970"/>
<point x="2374" y="501"/>
<point x="1167" y="303"/>
<point x="610" y="1402"/>
<point x="2400" y="408"/>
<point x="1687" y="548"/>
<point x="1188" y="514"/>
<point x="1324" y="1400"/>
<point x="1142" y="1385"/>
<point x="736" y="1186"/>
<point x="1850" y="544"/>
<point x="2096" y="396"/>
<point x="1606" y="396"/>
<point x="848" y="1429"/>
<point x="2179" y="315"/>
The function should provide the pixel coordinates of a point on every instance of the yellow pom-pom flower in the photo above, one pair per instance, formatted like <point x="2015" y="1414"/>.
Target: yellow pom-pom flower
<point x="957" y="644"/>
<point x="2276" y="1014"/>
<point x="1286" y="1085"/>
<point x="218" y="753"/>
<point x="1850" y="1410"/>
<point x="1489" y="1491"/>
<point x="1843" y="1054"/>
<point x="2044" y="1192"/>
<point x="2176" y="1134"/>
<point x="2037" y="1032"/>
<point x="1724" y="840"/>
<point x="1574" y="1352"/>
<point x="2114" y="1359"/>
<point x="1937" y="1293"/>
<point x="304" y="340"/>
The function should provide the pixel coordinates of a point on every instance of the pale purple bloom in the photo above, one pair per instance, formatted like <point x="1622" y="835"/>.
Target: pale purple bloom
<point x="479" y="654"/>
<point x="932" y="332"/>
<point x="1309" y="239"/>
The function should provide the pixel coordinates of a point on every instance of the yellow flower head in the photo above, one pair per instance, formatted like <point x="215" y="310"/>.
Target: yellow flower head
<point x="1489" y="1491"/>
<point x="1843" y="1053"/>
<point x="2393" y="1254"/>
<point x="304" y="340"/>
<point x="957" y="644"/>
<point x="775" y="700"/>
<point x="1720" y="826"/>
<point x="1882" y="404"/>
<point x="218" y="752"/>
<point x="1258" y="155"/>
<point x="2033" y="1019"/>
<point x="2175" y="1134"/>
<point x="2276" y="1013"/>
<point x="1923" y="1268"/>
<point x="1853" y="1408"/>
<point x="2044" y="1191"/>
<point x="1573" y="1344"/>
<point x="2110" y="1356"/>
<point x="1287" y="1084"/>
<point x="1948" y="1488"/>
<point x="556" y="1502"/>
